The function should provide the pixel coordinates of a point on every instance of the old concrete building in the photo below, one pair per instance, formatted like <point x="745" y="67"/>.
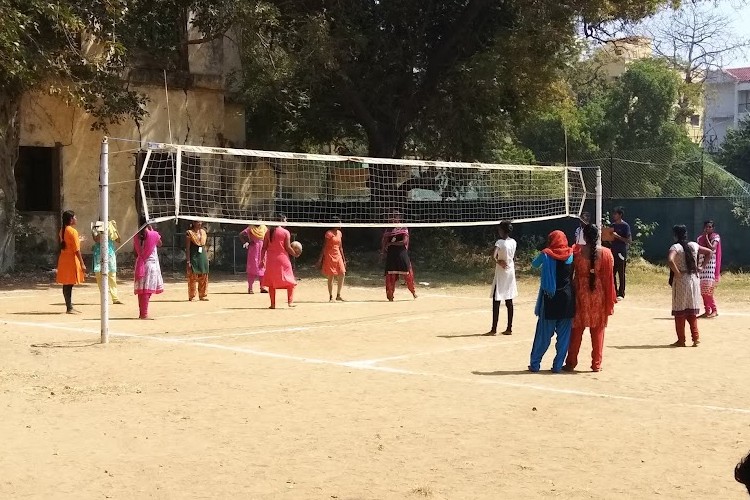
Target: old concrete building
<point x="58" y="166"/>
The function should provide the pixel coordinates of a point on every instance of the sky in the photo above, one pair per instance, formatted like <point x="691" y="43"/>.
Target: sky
<point x="739" y="11"/>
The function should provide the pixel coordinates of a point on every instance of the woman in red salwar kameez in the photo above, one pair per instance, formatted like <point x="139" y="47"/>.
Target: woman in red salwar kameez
<point x="594" y="289"/>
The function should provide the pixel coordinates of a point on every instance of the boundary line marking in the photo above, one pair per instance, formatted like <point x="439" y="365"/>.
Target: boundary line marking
<point x="370" y="365"/>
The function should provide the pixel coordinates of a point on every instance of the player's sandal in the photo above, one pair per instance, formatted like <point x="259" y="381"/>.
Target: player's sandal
<point x="677" y="344"/>
<point x="339" y="299"/>
<point x="507" y="332"/>
<point x="491" y="333"/>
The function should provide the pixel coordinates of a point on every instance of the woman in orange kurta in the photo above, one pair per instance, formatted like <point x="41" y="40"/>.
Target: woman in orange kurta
<point x="594" y="289"/>
<point x="70" y="265"/>
<point x="332" y="262"/>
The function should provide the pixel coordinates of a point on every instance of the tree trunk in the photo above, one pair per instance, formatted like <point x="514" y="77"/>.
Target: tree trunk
<point x="384" y="178"/>
<point x="9" y="139"/>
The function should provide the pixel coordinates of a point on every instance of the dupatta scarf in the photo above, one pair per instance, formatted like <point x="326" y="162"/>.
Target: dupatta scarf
<point x="557" y="250"/>
<point x="393" y="233"/>
<point x="706" y="242"/>
<point x="144" y="249"/>
<point x="198" y="237"/>
<point x="257" y="232"/>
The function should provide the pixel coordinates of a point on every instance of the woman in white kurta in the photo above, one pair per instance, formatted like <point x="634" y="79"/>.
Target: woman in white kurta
<point x="504" y="286"/>
<point x="686" y="288"/>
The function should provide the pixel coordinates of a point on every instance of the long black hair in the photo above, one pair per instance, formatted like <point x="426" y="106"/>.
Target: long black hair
<point x="680" y="234"/>
<point x="272" y="229"/>
<point x="142" y="223"/>
<point x="67" y="220"/>
<point x="591" y="236"/>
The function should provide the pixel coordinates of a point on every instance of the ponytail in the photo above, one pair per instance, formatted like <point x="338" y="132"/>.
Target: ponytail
<point x="591" y="236"/>
<point x="67" y="220"/>
<point x="143" y="224"/>
<point x="271" y="230"/>
<point x="680" y="234"/>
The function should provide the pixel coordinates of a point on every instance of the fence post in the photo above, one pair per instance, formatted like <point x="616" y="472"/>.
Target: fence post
<point x="599" y="212"/>
<point x="703" y="170"/>
<point x="611" y="174"/>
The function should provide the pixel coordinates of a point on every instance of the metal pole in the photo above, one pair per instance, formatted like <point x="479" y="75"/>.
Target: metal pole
<point x="611" y="174"/>
<point x="599" y="213"/>
<point x="703" y="170"/>
<point x="104" y="239"/>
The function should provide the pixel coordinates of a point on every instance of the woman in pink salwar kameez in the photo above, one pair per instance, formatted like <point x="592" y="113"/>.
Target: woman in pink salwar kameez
<point x="710" y="268"/>
<point x="148" y="279"/>
<point x="279" y="273"/>
<point x="253" y="237"/>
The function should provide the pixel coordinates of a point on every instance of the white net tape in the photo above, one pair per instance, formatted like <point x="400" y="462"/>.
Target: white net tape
<point x="248" y="186"/>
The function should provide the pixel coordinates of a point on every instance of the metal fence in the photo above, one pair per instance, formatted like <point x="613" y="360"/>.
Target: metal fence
<point x="661" y="173"/>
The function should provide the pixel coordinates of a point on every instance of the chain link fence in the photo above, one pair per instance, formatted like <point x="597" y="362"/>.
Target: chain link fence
<point x="660" y="173"/>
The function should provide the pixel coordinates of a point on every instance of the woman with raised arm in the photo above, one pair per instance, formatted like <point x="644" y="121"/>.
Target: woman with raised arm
<point x="686" y="288"/>
<point x="395" y="249"/>
<point x="504" y="287"/>
<point x="112" y="240"/>
<point x="710" y="268"/>
<point x="197" y="260"/>
<point x="147" y="278"/>
<point x="595" y="296"/>
<point x="275" y="253"/>
<point x="332" y="262"/>
<point x="70" y="266"/>
<point x="252" y="238"/>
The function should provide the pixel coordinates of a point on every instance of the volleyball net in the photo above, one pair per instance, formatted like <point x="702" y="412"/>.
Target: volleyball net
<point x="245" y="186"/>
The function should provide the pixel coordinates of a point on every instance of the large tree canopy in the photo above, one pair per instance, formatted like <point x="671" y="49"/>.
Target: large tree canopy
<point x="81" y="50"/>
<point x="41" y="48"/>
<point x="402" y="74"/>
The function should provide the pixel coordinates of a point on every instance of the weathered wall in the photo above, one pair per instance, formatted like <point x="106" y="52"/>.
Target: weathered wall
<point x="198" y="116"/>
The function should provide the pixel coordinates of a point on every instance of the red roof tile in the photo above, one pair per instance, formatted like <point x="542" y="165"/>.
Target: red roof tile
<point x="740" y="74"/>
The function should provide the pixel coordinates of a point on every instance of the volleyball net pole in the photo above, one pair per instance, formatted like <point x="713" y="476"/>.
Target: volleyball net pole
<point x="103" y="232"/>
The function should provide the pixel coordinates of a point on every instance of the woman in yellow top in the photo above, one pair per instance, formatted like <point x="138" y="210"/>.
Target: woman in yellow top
<point x="70" y="265"/>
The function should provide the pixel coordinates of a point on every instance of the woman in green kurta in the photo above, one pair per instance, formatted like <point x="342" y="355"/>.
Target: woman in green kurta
<point x="197" y="261"/>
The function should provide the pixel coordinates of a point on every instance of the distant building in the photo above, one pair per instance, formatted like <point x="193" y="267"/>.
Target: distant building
<point x="616" y="55"/>
<point x="727" y="102"/>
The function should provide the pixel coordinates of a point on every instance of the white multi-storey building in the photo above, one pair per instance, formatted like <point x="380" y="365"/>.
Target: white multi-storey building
<point x="727" y="102"/>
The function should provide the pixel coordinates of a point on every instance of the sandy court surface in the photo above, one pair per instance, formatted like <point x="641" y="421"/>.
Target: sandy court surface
<point x="362" y="400"/>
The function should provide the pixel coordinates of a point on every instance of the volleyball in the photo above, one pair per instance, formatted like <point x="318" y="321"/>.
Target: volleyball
<point x="297" y="247"/>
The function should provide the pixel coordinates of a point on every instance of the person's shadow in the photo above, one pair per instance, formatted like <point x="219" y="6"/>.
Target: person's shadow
<point x="514" y="372"/>
<point x="640" y="347"/>
<point x="468" y="335"/>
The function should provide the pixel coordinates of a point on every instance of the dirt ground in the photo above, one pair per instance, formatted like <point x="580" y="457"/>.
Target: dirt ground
<point x="362" y="400"/>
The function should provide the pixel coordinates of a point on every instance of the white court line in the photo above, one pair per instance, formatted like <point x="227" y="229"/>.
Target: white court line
<point x="386" y="369"/>
<point x="369" y="362"/>
<point x="257" y="332"/>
